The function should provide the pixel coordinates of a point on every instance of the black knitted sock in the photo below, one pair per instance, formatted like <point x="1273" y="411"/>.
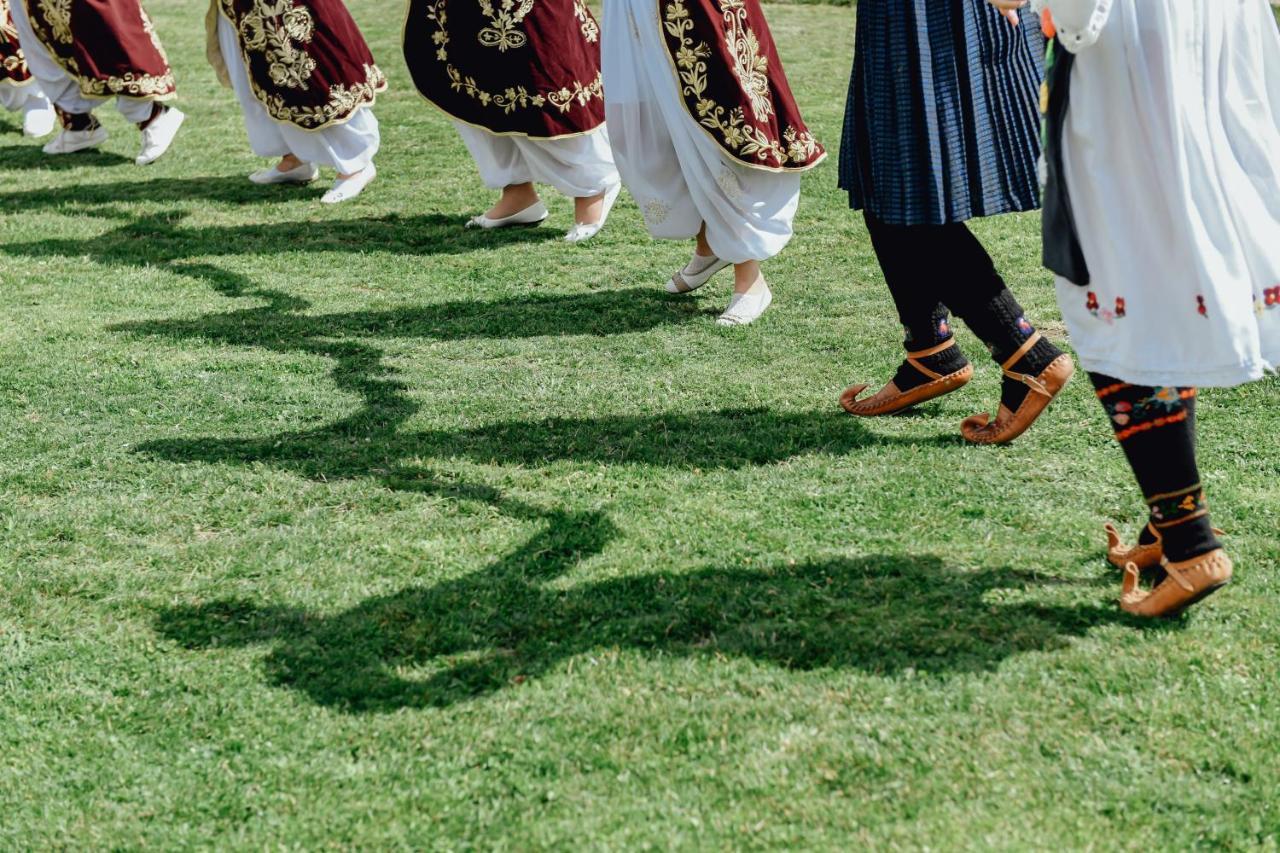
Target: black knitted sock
<point x="77" y="121"/>
<point x="924" y="338"/>
<point x="1003" y="327"/>
<point x="914" y="286"/>
<point x="1157" y="430"/>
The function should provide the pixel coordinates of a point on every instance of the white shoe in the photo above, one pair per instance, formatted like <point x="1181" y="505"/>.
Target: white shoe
<point x="696" y="273"/>
<point x="583" y="231"/>
<point x="531" y="215"/>
<point x="158" y="136"/>
<point x="345" y="189"/>
<point x="746" y="308"/>
<point x="71" y="141"/>
<point x="39" y="121"/>
<point x="304" y="174"/>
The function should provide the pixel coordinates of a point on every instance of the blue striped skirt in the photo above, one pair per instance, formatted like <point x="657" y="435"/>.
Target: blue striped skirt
<point x="942" y="121"/>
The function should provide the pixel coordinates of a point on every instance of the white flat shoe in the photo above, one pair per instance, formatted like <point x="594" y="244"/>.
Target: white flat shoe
<point x="158" y="136"/>
<point x="345" y="189"/>
<point x="696" y="273"/>
<point x="304" y="174"/>
<point x="39" y="121"/>
<point x="531" y="215"/>
<point x="584" y="231"/>
<point x="746" y="308"/>
<point x="71" y="141"/>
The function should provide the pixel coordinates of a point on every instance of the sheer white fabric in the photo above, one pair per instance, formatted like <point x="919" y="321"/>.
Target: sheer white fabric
<point x="677" y="173"/>
<point x="348" y="147"/>
<point x="578" y="166"/>
<point x="1078" y="22"/>
<point x="60" y="87"/>
<point x="1172" y="158"/>
<point x="25" y="98"/>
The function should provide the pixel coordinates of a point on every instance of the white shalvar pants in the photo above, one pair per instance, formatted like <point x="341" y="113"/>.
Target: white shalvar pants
<point x="578" y="166"/>
<point x="348" y="147"/>
<point x="677" y="173"/>
<point x="26" y="98"/>
<point x="59" y="86"/>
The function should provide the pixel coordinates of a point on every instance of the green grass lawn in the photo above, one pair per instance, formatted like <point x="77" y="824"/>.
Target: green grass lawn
<point x="348" y="527"/>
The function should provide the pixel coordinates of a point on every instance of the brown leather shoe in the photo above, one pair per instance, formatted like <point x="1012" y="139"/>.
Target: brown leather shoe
<point x="1144" y="556"/>
<point x="1187" y="583"/>
<point x="889" y="400"/>
<point x="1007" y="426"/>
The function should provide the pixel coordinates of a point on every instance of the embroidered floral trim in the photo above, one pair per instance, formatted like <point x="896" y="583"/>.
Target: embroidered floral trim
<point x="513" y="97"/>
<point x="52" y="24"/>
<point x="343" y="101"/>
<point x="1269" y="299"/>
<point x="1107" y="315"/>
<point x="276" y="30"/>
<point x="730" y="125"/>
<point x="1129" y="417"/>
<point x="505" y="34"/>
<point x="586" y="23"/>
<point x="57" y="16"/>
<point x="13" y="63"/>
<point x="1178" y="507"/>
<point x="655" y="211"/>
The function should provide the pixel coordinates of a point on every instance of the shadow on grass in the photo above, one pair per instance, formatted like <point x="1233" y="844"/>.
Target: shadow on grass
<point x="158" y="239"/>
<point x="29" y="154"/>
<point x="463" y="639"/>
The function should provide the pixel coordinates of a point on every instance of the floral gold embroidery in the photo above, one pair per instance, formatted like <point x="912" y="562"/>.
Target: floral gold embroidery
<point x="586" y="23"/>
<point x="513" y="97"/>
<point x="53" y="25"/>
<point x="343" y="101"/>
<point x="57" y="13"/>
<point x="730" y="124"/>
<point x="275" y="29"/>
<point x="751" y="68"/>
<point x="505" y="34"/>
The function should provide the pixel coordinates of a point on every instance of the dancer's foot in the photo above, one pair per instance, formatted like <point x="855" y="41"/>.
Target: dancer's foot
<point x="290" y="170"/>
<point x="71" y="141"/>
<point x="158" y="134"/>
<point x="1185" y="584"/>
<point x="923" y="376"/>
<point x="696" y="273"/>
<point x="591" y="214"/>
<point x="1013" y="419"/>
<point x="535" y="214"/>
<point x="347" y="187"/>
<point x="746" y="307"/>
<point x="515" y="199"/>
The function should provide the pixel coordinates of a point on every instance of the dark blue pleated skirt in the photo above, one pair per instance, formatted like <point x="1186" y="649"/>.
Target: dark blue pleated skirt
<point x="942" y="121"/>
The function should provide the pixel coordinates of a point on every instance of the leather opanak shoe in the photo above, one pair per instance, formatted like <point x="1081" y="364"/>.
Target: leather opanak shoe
<point x="1144" y="555"/>
<point x="889" y="400"/>
<point x="1186" y="583"/>
<point x="1045" y="385"/>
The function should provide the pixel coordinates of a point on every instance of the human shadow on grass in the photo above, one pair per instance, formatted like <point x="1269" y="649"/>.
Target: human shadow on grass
<point x="457" y="640"/>
<point x="160" y="239"/>
<point x="30" y="156"/>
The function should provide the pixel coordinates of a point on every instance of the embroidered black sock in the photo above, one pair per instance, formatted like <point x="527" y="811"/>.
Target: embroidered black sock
<point x="1157" y="430"/>
<point x="914" y="287"/>
<point x="77" y="121"/>
<point x="1004" y="328"/>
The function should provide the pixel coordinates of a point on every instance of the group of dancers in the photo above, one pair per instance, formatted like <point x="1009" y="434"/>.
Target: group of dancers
<point x="1153" y="127"/>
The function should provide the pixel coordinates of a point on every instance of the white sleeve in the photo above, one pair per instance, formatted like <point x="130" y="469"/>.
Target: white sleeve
<point x="1079" y="22"/>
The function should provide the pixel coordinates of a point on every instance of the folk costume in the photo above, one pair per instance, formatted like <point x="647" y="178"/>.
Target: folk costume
<point x="521" y="83"/>
<point x="1162" y="222"/>
<point x="306" y="82"/>
<point x="85" y="52"/>
<point x="706" y="132"/>
<point x="19" y="91"/>
<point x="941" y="126"/>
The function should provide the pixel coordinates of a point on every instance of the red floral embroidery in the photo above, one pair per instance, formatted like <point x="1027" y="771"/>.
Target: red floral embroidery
<point x="1119" y="306"/>
<point x="1204" y="312"/>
